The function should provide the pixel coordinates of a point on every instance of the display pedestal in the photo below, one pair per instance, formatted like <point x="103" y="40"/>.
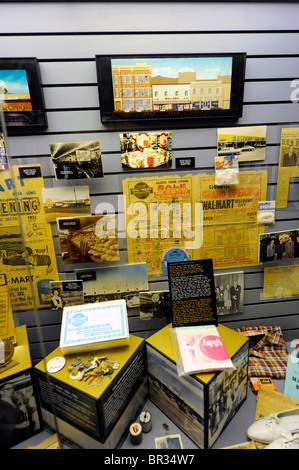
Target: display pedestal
<point x="95" y="416"/>
<point x="203" y="404"/>
<point x="19" y="412"/>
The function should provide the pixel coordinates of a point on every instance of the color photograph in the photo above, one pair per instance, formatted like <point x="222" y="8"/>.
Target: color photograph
<point x="146" y="150"/>
<point x="88" y="239"/>
<point x="113" y="283"/>
<point x="246" y="143"/>
<point x="14" y="90"/>
<point x="278" y="246"/>
<point x="171" y="84"/>
<point x="3" y="155"/>
<point x="66" y="202"/>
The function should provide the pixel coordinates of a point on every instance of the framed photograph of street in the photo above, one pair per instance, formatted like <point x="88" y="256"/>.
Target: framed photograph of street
<point x="21" y="96"/>
<point x="170" y="86"/>
<point x="246" y="143"/>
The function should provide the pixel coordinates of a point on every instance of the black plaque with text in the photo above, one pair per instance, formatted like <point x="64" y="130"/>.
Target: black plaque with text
<point x="192" y="293"/>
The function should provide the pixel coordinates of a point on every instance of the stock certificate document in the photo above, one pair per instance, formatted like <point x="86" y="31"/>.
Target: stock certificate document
<point x="21" y="203"/>
<point x="207" y="221"/>
<point x="94" y="326"/>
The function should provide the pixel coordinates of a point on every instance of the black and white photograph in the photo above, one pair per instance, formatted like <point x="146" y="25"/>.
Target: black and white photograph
<point x="289" y="156"/>
<point x="277" y="246"/>
<point x="227" y="394"/>
<point x="246" y="143"/>
<point x="77" y="160"/>
<point x="229" y="288"/>
<point x="155" y="304"/>
<point x="183" y="400"/>
<point x="19" y="416"/>
<point x="66" y="294"/>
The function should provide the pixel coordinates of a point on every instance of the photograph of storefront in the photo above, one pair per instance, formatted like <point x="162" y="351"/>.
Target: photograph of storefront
<point x="171" y="84"/>
<point x="132" y="87"/>
<point x="249" y="143"/>
<point x="208" y="94"/>
<point x="170" y="96"/>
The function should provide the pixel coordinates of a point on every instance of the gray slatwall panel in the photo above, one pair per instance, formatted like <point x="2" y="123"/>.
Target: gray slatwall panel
<point x="69" y="82"/>
<point x="109" y="139"/>
<point x="71" y="47"/>
<point x="112" y="16"/>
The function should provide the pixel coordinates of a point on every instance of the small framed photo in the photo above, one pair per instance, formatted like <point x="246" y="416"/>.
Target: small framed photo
<point x="21" y="95"/>
<point x="172" y="441"/>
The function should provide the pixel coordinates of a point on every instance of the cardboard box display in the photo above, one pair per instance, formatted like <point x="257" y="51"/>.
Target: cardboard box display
<point x="74" y="438"/>
<point x="21" y="418"/>
<point x="93" y="410"/>
<point x="202" y="404"/>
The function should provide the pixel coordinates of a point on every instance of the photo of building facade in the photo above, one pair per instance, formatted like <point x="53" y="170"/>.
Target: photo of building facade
<point x="139" y="86"/>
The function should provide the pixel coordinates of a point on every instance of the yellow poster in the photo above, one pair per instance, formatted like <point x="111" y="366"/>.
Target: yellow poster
<point x="176" y="218"/>
<point x="230" y="229"/>
<point x="281" y="281"/>
<point x="160" y="220"/>
<point x="7" y="324"/>
<point x="288" y="164"/>
<point x="21" y="204"/>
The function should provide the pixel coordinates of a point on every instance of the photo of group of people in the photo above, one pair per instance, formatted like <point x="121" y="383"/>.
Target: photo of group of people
<point x="277" y="246"/>
<point x="229" y="288"/>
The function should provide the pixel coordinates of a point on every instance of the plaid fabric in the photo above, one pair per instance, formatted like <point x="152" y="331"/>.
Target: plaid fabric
<point x="268" y="354"/>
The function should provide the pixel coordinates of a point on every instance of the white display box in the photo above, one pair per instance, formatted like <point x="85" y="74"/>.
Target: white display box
<point x="95" y="326"/>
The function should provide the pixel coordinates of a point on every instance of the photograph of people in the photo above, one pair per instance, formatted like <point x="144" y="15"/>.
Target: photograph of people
<point x="271" y="251"/>
<point x="289" y="157"/>
<point x="229" y="288"/>
<point x="278" y="246"/>
<point x="18" y="412"/>
<point x="289" y="248"/>
<point x="56" y="300"/>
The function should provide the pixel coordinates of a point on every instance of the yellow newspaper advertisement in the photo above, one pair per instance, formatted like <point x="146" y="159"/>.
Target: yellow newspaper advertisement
<point x="189" y="217"/>
<point x="230" y="229"/>
<point x="21" y="204"/>
<point x="288" y="164"/>
<point x="160" y="216"/>
<point x="7" y="324"/>
<point x="281" y="281"/>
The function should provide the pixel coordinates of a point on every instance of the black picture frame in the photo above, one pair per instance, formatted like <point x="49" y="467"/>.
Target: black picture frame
<point x="106" y="90"/>
<point x="33" y="117"/>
